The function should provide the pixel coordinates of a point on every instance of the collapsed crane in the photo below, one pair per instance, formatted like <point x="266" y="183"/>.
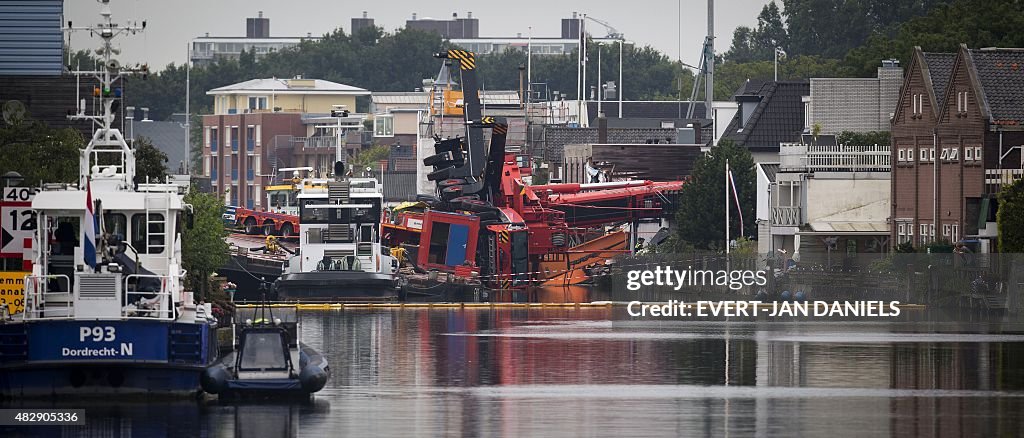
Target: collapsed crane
<point x="486" y="221"/>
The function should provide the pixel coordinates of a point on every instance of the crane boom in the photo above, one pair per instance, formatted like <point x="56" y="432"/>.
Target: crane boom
<point x="611" y="31"/>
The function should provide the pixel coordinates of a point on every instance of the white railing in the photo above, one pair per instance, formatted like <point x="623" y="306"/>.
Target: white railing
<point x="786" y="216"/>
<point x="996" y="179"/>
<point x="42" y="303"/>
<point x="317" y="142"/>
<point x="836" y="158"/>
<point x="149" y="305"/>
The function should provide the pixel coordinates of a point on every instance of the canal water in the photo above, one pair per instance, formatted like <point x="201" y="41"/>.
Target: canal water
<point x="593" y="372"/>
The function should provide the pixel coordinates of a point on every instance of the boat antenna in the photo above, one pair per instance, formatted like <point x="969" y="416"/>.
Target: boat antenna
<point x="106" y="139"/>
<point x="264" y="304"/>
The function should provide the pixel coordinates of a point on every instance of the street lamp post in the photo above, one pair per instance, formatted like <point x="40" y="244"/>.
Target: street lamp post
<point x="779" y="53"/>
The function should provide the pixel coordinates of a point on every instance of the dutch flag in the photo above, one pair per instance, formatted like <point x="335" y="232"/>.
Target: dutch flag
<point x="89" y="243"/>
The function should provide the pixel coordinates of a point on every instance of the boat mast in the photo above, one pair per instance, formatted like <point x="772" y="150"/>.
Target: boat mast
<point x="107" y="139"/>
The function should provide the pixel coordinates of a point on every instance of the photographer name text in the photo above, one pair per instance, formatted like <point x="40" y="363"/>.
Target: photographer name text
<point x="677" y="308"/>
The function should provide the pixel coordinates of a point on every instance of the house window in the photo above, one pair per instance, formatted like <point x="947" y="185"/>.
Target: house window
<point x="384" y="125"/>
<point x="924" y="155"/>
<point x="213" y="139"/>
<point x="956" y="233"/>
<point x="910" y="233"/>
<point x="931" y="230"/>
<point x="954" y="154"/>
<point x="945" y="230"/>
<point x="977" y="153"/>
<point x="961" y="101"/>
<point x="257" y="102"/>
<point x="969" y="154"/>
<point x="945" y="154"/>
<point x="250" y="138"/>
<point x="903" y="155"/>
<point x="910" y="154"/>
<point x="931" y="154"/>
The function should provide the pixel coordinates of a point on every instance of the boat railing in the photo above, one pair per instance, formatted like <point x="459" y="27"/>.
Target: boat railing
<point x="148" y="304"/>
<point x="42" y="303"/>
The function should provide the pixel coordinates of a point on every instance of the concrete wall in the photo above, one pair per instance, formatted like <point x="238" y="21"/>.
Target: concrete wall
<point x="406" y="122"/>
<point x="863" y="199"/>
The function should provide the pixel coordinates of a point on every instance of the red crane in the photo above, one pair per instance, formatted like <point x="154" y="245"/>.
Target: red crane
<point x="487" y="220"/>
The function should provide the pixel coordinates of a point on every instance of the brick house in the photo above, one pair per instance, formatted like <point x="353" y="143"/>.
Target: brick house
<point x="957" y="133"/>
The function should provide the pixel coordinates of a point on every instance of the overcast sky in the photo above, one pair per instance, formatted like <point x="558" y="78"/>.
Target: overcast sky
<point x="677" y="28"/>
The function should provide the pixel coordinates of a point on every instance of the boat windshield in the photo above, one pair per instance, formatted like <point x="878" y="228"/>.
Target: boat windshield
<point x="263" y="351"/>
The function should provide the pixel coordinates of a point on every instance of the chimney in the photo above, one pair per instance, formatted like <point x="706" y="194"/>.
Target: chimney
<point x="365" y="14"/>
<point x="469" y="14"/>
<point x="602" y="128"/>
<point x="574" y="15"/>
<point x="260" y="14"/>
<point x="413" y="16"/>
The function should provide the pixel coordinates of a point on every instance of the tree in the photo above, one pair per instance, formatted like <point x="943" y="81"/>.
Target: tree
<point x="759" y="44"/>
<point x="370" y="158"/>
<point x="203" y="247"/>
<point x="1010" y="218"/>
<point x="864" y="138"/>
<point x="40" y="153"/>
<point x="150" y="162"/>
<point x="701" y="218"/>
<point x="946" y="24"/>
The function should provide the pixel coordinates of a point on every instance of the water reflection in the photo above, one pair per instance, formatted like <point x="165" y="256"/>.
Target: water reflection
<point x="567" y="371"/>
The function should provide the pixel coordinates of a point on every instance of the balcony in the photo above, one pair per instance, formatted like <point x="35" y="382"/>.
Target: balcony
<point x="317" y="142"/>
<point x="785" y="216"/>
<point x="996" y="179"/>
<point x="796" y="157"/>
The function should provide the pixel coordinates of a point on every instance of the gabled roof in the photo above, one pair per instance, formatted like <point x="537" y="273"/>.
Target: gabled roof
<point x="778" y="117"/>
<point x="938" y="67"/>
<point x="289" y="86"/>
<point x="999" y="73"/>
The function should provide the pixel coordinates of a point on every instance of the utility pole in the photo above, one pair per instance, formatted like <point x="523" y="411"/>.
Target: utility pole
<point x="600" y="85"/>
<point x="188" y="115"/>
<point x="621" y="85"/>
<point x="709" y="58"/>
